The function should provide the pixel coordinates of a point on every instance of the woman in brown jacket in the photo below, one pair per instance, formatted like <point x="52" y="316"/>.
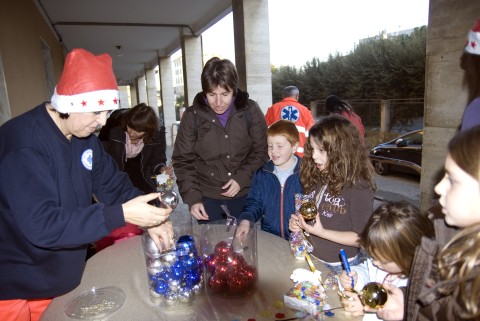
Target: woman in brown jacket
<point x="220" y="143"/>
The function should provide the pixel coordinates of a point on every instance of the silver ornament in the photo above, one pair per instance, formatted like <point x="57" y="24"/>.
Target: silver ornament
<point x="185" y="296"/>
<point x="197" y="288"/>
<point x="169" y="198"/>
<point x="168" y="258"/>
<point x="174" y="285"/>
<point x="171" y="298"/>
<point x="154" y="266"/>
<point x="149" y="246"/>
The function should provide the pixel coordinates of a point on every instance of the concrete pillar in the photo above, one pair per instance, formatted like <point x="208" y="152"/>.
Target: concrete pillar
<point x="133" y="94"/>
<point x="252" y="49"/>
<point x="123" y="93"/>
<point x="192" y="60"/>
<point x="385" y="115"/>
<point x="445" y="95"/>
<point x="151" y="89"/>
<point x="313" y="108"/>
<point x="142" y="90"/>
<point x="168" y="99"/>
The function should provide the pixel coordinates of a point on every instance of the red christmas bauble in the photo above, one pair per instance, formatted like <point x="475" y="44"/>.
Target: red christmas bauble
<point x="237" y="284"/>
<point x="236" y="261"/>
<point x="222" y="249"/>
<point x="222" y="270"/>
<point x="217" y="284"/>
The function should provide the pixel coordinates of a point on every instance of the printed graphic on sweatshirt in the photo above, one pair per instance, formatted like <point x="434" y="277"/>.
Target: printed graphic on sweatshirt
<point x="332" y="205"/>
<point x="87" y="159"/>
<point x="290" y="113"/>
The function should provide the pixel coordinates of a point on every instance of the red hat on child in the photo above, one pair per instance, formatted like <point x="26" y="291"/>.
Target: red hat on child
<point x="473" y="41"/>
<point x="87" y="84"/>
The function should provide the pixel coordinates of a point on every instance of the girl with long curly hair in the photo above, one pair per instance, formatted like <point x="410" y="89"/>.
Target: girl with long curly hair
<point x="337" y="174"/>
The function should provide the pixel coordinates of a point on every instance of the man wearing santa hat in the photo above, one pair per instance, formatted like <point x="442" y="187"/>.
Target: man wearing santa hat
<point x="50" y="167"/>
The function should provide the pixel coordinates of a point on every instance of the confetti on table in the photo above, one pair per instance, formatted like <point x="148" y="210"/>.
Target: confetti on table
<point x="278" y="304"/>
<point x="265" y="313"/>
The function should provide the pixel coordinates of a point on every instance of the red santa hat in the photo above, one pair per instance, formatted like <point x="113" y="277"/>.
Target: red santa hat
<point x="473" y="41"/>
<point x="87" y="84"/>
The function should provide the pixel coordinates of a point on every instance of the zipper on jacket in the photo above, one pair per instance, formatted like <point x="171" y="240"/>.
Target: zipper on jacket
<point x="282" y="232"/>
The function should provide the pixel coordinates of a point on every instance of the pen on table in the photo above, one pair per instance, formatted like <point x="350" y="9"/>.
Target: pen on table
<point x="346" y="265"/>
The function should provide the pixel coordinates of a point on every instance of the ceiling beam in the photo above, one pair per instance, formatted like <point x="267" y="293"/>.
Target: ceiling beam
<point x="124" y="24"/>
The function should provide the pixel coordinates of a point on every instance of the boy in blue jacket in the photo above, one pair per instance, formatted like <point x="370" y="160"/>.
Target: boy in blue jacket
<point x="272" y="192"/>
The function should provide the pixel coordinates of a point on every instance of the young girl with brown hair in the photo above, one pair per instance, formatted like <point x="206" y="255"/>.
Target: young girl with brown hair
<point x="390" y="238"/>
<point x="337" y="174"/>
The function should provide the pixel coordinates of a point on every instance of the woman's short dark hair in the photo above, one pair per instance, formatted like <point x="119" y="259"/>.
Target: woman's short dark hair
<point x="335" y="105"/>
<point x="219" y="73"/>
<point x="141" y="118"/>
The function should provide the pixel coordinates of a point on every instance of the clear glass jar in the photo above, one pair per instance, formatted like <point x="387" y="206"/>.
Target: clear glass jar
<point x="175" y="276"/>
<point x="230" y="259"/>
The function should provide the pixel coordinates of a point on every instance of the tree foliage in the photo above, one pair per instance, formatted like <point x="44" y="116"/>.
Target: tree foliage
<point x="378" y="68"/>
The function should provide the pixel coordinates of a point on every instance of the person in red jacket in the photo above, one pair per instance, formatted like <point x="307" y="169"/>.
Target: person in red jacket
<point x="334" y="105"/>
<point x="290" y="109"/>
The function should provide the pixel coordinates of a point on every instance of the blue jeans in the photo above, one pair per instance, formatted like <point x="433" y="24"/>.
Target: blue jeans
<point x="215" y="212"/>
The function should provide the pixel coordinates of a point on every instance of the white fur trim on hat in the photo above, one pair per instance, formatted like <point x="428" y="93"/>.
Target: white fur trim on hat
<point x="473" y="41"/>
<point x="86" y="102"/>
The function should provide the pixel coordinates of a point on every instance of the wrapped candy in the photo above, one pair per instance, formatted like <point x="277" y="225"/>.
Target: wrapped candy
<point x="306" y="297"/>
<point x="299" y="245"/>
<point x="308" y="294"/>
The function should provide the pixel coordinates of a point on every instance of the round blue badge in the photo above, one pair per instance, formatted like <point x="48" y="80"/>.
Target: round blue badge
<point x="87" y="159"/>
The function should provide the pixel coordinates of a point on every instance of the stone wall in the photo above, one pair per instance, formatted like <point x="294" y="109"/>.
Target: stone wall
<point x="445" y="96"/>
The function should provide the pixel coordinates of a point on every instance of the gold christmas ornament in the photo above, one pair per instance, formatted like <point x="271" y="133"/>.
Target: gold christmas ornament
<point x="374" y="295"/>
<point x="308" y="210"/>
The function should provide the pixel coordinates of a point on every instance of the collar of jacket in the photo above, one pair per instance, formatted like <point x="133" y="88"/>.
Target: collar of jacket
<point x="241" y="100"/>
<point x="290" y="99"/>
<point x="270" y="167"/>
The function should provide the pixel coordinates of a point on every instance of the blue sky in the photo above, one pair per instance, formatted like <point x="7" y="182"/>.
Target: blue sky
<point x="316" y="28"/>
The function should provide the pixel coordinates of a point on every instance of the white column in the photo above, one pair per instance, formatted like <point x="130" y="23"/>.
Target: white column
<point x="123" y="93"/>
<point x="192" y="60"/>
<point x="133" y="94"/>
<point x="168" y="99"/>
<point x="252" y="49"/>
<point x="142" y="90"/>
<point x="152" y="99"/>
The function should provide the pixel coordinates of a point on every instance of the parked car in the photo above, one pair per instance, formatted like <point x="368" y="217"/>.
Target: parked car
<point x="403" y="154"/>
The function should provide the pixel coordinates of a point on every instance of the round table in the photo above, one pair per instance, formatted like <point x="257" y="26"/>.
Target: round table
<point x="123" y="265"/>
